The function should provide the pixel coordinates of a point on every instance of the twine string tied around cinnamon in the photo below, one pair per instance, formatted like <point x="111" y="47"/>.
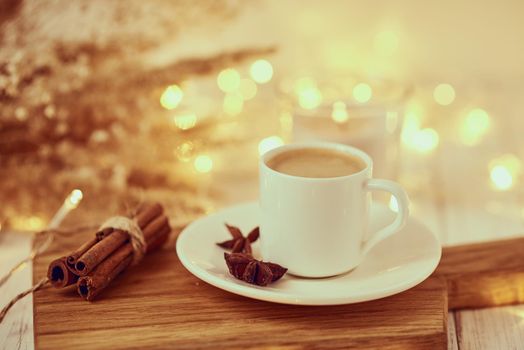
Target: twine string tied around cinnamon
<point x="136" y="236"/>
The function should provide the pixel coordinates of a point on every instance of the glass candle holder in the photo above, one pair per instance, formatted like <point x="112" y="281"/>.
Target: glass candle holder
<point x="368" y="116"/>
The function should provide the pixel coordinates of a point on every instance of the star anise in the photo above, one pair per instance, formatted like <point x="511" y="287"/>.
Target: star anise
<point x="246" y="268"/>
<point x="239" y="243"/>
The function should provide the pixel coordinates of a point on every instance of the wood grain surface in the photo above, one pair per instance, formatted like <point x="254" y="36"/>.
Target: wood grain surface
<point x="160" y="305"/>
<point x="483" y="274"/>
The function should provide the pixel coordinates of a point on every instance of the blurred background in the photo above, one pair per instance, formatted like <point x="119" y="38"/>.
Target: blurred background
<point x="175" y="101"/>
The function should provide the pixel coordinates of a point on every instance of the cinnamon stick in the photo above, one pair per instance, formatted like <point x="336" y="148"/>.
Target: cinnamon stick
<point x="73" y="257"/>
<point x="159" y="240"/>
<point x="59" y="273"/>
<point x="154" y="227"/>
<point x="98" y="252"/>
<point x="89" y="286"/>
<point x="147" y="212"/>
<point x="99" y="261"/>
<point x="111" y="241"/>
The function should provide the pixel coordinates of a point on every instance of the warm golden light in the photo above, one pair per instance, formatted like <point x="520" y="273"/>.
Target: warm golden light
<point x="228" y="80"/>
<point x="184" y="151"/>
<point x="233" y="103"/>
<point x="35" y="223"/>
<point x="27" y="223"/>
<point x="504" y="171"/>
<point x="426" y="140"/>
<point x="203" y="164"/>
<point x="362" y="92"/>
<point x="309" y="96"/>
<point x="475" y="126"/>
<point x="410" y="128"/>
<point x="339" y="113"/>
<point x="385" y="43"/>
<point x="248" y="89"/>
<point x="269" y="143"/>
<point x="171" y="97"/>
<point x="501" y="178"/>
<point x="261" y="71"/>
<point x="420" y="140"/>
<point x="185" y="121"/>
<point x="74" y="198"/>
<point x="444" y="94"/>
<point x="310" y="99"/>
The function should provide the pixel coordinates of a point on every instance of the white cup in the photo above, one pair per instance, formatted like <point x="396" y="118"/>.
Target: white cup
<point x="317" y="227"/>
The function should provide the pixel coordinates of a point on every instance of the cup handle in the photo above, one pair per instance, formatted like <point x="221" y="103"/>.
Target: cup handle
<point x="402" y="216"/>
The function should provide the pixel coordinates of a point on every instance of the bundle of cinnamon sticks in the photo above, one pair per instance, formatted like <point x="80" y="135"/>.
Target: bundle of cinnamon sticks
<point x="98" y="261"/>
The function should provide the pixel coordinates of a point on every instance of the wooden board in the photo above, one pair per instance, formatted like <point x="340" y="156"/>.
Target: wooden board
<point x="483" y="274"/>
<point x="160" y="305"/>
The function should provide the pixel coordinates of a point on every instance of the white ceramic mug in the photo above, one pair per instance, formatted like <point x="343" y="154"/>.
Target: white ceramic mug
<point x="316" y="227"/>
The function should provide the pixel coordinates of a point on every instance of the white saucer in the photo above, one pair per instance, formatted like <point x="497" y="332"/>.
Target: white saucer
<point x="394" y="265"/>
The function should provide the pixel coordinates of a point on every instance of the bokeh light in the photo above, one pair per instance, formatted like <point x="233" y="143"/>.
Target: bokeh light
<point x="184" y="151"/>
<point x="309" y="96"/>
<point x="474" y="126"/>
<point x="228" y="80"/>
<point x="171" y="97"/>
<point x="185" y="121"/>
<point x="444" y="94"/>
<point x="203" y="164"/>
<point x="410" y="127"/>
<point x="420" y="140"/>
<point x="362" y="92"/>
<point x="233" y="103"/>
<point x="310" y="99"/>
<point x="339" y="113"/>
<point x="27" y="223"/>
<point x="269" y="143"/>
<point x="248" y="89"/>
<point x="504" y="171"/>
<point x="74" y="198"/>
<point x="426" y="140"/>
<point x="501" y="178"/>
<point x="261" y="71"/>
<point x="386" y="43"/>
